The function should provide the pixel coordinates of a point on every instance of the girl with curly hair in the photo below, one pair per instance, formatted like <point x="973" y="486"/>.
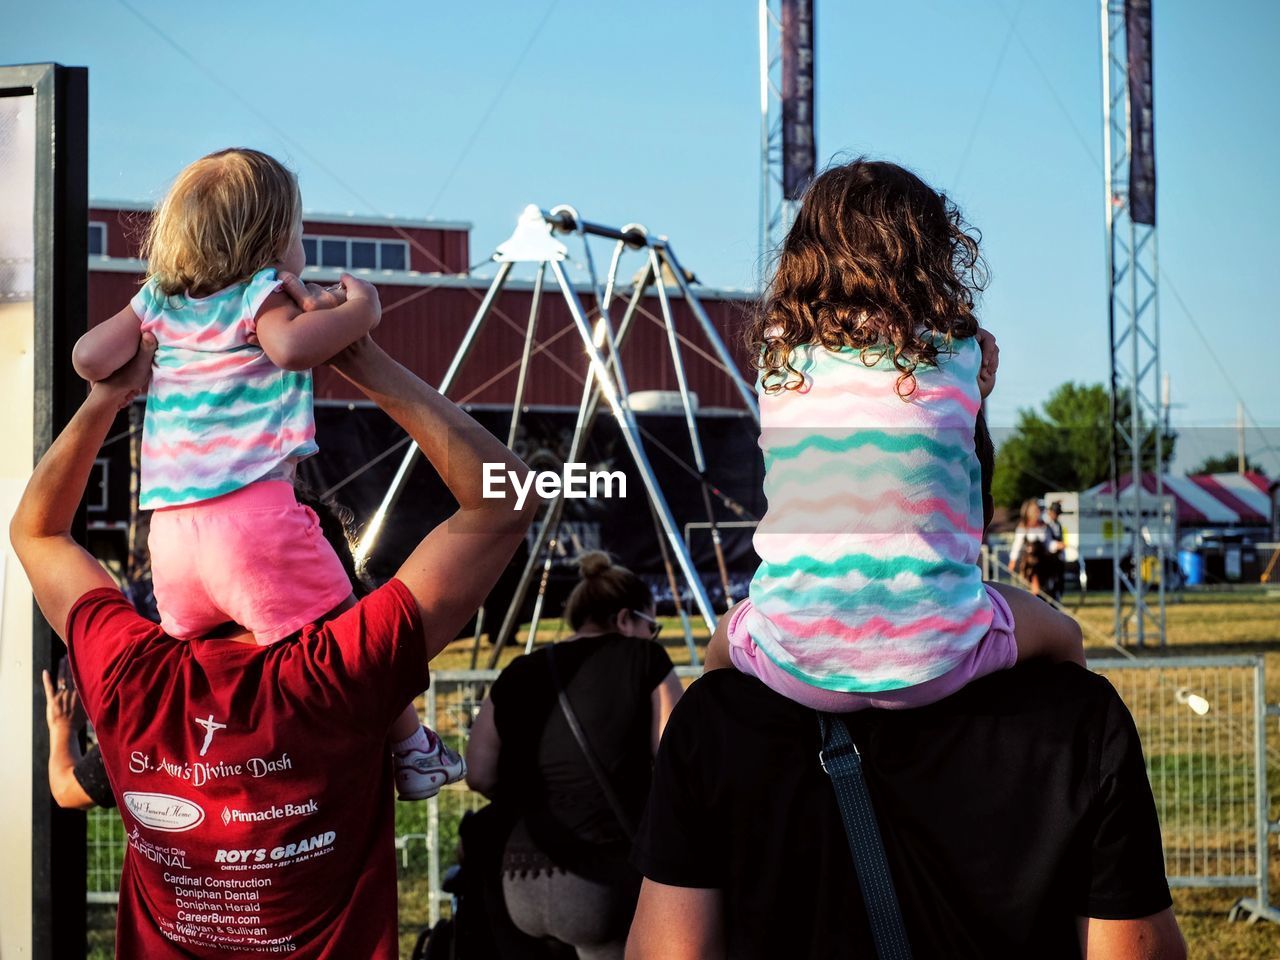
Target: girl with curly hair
<point x="872" y="370"/>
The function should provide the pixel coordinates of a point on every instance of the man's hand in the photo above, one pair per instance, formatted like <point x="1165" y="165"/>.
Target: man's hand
<point x="351" y="357"/>
<point x="62" y="710"/>
<point x="990" y="362"/>
<point x="130" y="380"/>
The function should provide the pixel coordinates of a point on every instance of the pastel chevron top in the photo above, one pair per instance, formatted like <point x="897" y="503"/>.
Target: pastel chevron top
<point x="220" y="414"/>
<point x="868" y="578"/>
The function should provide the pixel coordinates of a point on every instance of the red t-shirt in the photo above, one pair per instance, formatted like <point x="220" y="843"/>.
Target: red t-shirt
<point x="254" y="782"/>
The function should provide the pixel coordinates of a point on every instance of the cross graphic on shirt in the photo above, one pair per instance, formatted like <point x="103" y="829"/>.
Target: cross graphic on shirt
<point x="211" y="726"/>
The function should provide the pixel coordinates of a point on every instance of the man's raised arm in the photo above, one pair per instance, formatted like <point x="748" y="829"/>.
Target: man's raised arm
<point x="60" y="570"/>
<point x="456" y="565"/>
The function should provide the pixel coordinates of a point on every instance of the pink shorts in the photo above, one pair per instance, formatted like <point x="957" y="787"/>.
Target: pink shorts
<point x="995" y="651"/>
<point x="255" y="557"/>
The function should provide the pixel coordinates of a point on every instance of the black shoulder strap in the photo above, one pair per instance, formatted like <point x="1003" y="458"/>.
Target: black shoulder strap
<point x="843" y="764"/>
<point x="592" y="761"/>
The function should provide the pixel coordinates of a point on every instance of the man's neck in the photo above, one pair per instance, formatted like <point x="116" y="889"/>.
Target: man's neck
<point x="230" y="632"/>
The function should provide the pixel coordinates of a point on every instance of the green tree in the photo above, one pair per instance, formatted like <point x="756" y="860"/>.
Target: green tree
<point x="1066" y="445"/>
<point x="1225" y="463"/>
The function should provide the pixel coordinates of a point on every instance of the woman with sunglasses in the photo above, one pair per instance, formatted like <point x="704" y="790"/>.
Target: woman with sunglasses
<point x="566" y="740"/>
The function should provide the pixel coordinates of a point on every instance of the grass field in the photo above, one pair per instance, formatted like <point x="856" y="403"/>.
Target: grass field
<point x="1199" y="791"/>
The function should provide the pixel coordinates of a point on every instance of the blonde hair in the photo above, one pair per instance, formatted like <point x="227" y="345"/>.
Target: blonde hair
<point x="226" y="217"/>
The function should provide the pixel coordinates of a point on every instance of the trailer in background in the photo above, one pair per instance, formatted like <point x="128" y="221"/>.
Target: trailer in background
<point x="1090" y="532"/>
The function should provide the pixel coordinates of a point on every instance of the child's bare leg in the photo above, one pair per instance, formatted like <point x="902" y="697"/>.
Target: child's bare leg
<point x="405" y="725"/>
<point x="717" y="657"/>
<point x="1040" y="630"/>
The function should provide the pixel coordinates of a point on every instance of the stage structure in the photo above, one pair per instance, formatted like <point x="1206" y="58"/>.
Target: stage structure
<point x="788" y="149"/>
<point x="534" y="242"/>
<point x="1133" y="317"/>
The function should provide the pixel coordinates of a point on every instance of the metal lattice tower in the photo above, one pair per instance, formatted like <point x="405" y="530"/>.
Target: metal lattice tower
<point x="771" y="213"/>
<point x="1134" y="323"/>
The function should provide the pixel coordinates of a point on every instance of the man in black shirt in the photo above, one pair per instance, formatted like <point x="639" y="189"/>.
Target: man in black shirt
<point x="1016" y="814"/>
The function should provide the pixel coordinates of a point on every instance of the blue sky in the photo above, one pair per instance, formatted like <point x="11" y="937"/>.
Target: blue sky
<point x="649" y="112"/>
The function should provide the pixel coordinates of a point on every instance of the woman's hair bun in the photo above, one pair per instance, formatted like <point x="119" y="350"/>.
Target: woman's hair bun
<point x="593" y="563"/>
<point x="605" y="589"/>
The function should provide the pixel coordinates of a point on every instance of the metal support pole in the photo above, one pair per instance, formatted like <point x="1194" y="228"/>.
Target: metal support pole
<point x="475" y="641"/>
<point x="630" y="433"/>
<point x="588" y="407"/>
<point x="682" y="382"/>
<point x="1137" y="548"/>
<point x="691" y="421"/>
<point x="1259" y="906"/>
<point x="1117" y="527"/>
<point x="674" y="586"/>
<point x="540" y="599"/>
<point x="709" y="331"/>
<point x="1260" y="782"/>
<point x="529" y="335"/>
<point x="370" y="536"/>
<point x="1134" y="340"/>
<point x="433" y="827"/>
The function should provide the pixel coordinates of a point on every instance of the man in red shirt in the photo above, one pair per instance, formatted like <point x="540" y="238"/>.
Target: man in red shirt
<point x="254" y="781"/>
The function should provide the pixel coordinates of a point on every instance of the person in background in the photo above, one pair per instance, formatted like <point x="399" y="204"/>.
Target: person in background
<point x="77" y="781"/>
<point x="1027" y="555"/>
<point x="1057" y="558"/>
<point x="566" y="875"/>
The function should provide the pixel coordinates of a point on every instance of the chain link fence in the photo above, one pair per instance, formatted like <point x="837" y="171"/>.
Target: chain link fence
<point x="1202" y="721"/>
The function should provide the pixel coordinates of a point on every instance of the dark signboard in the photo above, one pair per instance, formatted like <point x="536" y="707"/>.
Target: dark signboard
<point x="798" y="149"/>
<point x="1142" y="130"/>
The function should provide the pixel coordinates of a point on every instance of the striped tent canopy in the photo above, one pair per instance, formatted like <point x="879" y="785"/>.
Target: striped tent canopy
<point x="1212" y="499"/>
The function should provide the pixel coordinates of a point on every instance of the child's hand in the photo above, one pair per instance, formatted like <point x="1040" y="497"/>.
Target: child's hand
<point x="310" y="296"/>
<point x="990" y="362"/>
<point x="357" y="289"/>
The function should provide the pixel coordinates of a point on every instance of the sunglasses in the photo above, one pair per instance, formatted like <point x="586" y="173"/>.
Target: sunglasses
<point x="655" y="627"/>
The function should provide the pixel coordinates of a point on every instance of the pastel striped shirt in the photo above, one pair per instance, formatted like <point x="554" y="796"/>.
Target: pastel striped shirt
<point x="219" y="414"/>
<point x="868" y="578"/>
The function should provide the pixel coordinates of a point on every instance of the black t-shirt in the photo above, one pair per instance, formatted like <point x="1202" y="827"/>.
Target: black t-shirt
<point x="91" y="774"/>
<point x="542" y="770"/>
<point x="1007" y="810"/>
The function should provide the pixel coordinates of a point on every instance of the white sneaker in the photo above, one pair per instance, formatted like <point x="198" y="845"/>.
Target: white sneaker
<point x="420" y="774"/>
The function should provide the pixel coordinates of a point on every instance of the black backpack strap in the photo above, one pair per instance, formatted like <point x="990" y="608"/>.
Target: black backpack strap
<point x="592" y="760"/>
<point x="843" y="764"/>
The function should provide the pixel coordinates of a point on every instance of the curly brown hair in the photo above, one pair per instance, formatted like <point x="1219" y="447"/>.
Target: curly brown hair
<point x="877" y="261"/>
